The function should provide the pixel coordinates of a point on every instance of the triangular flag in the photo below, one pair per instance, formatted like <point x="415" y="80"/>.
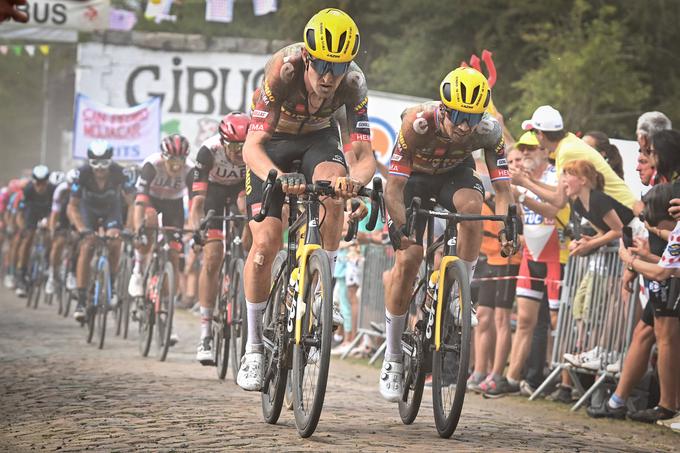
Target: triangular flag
<point x="262" y="7"/>
<point x="17" y="50"/>
<point x="44" y="49"/>
<point x="4" y="50"/>
<point x="219" y="10"/>
<point x="30" y="50"/>
<point x="155" y="7"/>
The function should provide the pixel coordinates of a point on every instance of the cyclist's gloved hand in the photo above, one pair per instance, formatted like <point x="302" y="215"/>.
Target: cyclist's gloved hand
<point x="346" y="187"/>
<point x="398" y="236"/>
<point x="508" y="247"/>
<point x="85" y="232"/>
<point x="197" y="239"/>
<point x="292" y="183"/>
<point x="360" y="212"/>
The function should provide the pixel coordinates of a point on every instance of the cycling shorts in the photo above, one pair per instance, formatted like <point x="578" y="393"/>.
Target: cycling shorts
<point x="171" y="211"/>
<point x="283" y="149"/>
<point x="441" y="187"/>
<point x="111" y="216"/>
<point x="34" y="215"/>
<point x="497" y="293"/>
<point x="219" y="198"/>
<point x="536" y="279"/>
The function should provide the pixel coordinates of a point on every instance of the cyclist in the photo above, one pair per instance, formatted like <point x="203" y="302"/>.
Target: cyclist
<point x="304" y="84"/>
<point x="161" y="186"/>
<point x="34" y="207"/>
<point x="60" y="225"/>
<point x="433" y="158"/>
<point x="16" y="194"/>
<point x="218" y="183"/>
<point x="96" y="196"/>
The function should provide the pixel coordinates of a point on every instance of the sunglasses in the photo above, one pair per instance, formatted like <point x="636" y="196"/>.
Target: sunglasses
<point x="235" y="147"/>
<point x="457" y="117"/>
<point x="174" y="159"/>
<point x="100" y="163"/>
<point x="322" y="67"/>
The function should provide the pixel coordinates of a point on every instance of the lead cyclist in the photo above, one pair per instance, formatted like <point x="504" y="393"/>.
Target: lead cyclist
<point x="304" y="84"/>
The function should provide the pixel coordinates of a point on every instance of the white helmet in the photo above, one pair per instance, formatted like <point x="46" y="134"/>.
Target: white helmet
<point x="72" y="175"/>
<point x="40" y="172"/>
<point x="56" y="177"/>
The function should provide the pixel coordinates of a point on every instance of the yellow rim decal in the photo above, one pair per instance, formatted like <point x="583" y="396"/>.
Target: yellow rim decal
<point x="305" y="251"/>
<point x="440" y="299"/>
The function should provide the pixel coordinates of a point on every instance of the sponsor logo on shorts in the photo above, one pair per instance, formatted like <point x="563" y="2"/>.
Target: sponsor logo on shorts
<point x="396" y="157"/>
<point x="260" y="114"/>
<point x="363" y="125"/>
<point x="674" y="249"/>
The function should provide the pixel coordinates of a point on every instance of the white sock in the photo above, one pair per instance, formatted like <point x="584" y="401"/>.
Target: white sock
<point x="255" y="311"/>
<point x="470" y="266"/>
<point x="50" y="272"/>
<point x="394" y="327"/>
<point x="206" y="322"/>
<point x="139" y="258"/>
<point x="333" y="256"/>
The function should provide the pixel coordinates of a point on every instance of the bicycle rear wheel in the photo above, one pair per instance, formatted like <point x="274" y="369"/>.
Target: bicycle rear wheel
<point x="312" y="356"/>
<point x="415" y="347"/>
<point x="238" y="314"/>
<point x="166" y="310"/>
<point x="450" y="363"/>
<point x="220" y="326"/>
<point x="275" y="338"/>
<point x="103" y="298"/>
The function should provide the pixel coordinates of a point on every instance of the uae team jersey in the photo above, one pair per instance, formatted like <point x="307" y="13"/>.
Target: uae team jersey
<point x="212" y="165"/>
<point x="155" y="181"/>
<point x="544" y="238"/>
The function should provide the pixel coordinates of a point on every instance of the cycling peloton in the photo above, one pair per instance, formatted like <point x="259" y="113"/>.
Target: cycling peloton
<point x="218" y="182"/>
<point x="304" y="84"/>
<point x="433" y="159"/>
<point x="97" y="195"/>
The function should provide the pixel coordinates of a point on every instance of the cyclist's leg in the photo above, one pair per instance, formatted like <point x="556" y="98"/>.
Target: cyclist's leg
<point x="172" y="215"/>
<point x="58" y="241"/>
<point x="113" y="222"/>
<point x="85" y="252"/>
<point x="149" y="214"/>
<point x="464" y="193"/>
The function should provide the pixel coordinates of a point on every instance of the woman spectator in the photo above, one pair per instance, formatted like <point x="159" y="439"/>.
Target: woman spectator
<point x="600" y="141"/>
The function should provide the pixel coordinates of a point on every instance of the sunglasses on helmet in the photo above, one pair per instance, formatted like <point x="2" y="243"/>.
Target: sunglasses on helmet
<point x="322" y="67"/>
<point x="457" y="117"/>
<point x="100" y="163"/>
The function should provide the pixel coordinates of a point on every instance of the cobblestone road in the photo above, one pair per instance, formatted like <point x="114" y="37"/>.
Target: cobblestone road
<point x="58" y="393"/>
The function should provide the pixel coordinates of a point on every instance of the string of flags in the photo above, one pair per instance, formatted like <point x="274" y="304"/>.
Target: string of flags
<point x="25" y="49"/>
<point x="223" y="10"/>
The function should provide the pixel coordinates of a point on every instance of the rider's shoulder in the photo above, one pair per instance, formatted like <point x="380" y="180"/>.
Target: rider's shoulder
<point x="420" y="120"/>
<point x="154" y="159"/>
<point x="489" y="129"/>
<point x="353" y="85"/>
<point x="211" y="144"/>
<point x="283" y="68"/>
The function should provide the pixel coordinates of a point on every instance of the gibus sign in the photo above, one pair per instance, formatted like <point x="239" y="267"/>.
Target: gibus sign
<point x="196" y="88"/>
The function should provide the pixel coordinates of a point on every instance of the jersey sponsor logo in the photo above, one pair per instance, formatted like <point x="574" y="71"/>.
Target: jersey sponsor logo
<point x="396" y="157"/>
<point x="673" y="249"/>
<point x="268" y="91"/>
<point x="249" y="188"/>
<point x="401" y="141"/>
<point x="420" y="126"/>
<point x="500" y="148"/>
<point x="501" y="162"/>
<point x="256" y="127"/>
<point x="338" y="158"/>
<point x="361" y="105"/>
<point x="260" y="114"/>
<point x="356" y="137"/>
<point x="363" y="125"/>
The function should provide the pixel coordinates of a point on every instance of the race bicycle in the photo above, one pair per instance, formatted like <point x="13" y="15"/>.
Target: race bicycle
<point x="298" y="318"/>
<point x="437" y="337"/>
<point x="38" y="263"/>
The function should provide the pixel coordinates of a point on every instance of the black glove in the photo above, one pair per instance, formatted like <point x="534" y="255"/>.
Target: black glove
<point x="198" y="239"/>
<point x="291" y="179"/>
<point x="395" y="233"/>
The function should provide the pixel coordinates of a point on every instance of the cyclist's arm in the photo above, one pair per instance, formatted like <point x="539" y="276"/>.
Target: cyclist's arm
<point x="73" y="212"/>
<point x="394" y="199"/>
<point x="265" y="117"/>
<point x="545" y="209"/>
<point x="497" y="164"/>
<point x="255" y="156"/>
<point x="551" y="194"/>
<point x="360" y="158"/>
<point x="361" y="162"/>
<point x="143" y="187"/>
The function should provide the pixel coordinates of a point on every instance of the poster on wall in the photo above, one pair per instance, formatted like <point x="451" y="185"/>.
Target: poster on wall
<point x="82" y="15"/>
<point x="133" y="132"/>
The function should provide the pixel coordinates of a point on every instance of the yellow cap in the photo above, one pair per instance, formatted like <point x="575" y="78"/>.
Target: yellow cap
<point x="528" y="139"/>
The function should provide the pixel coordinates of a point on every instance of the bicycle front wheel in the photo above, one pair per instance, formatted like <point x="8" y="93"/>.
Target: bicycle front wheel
<point x="275" y="338"/>
<point x="220" y="325"/>
<point x="103" y="299"/>
<point x="450" y="362"/>
<point x="237" y="312"/>
<point x="146" y="317"/>
<point x="165" y="311"/>
<point x="312" y="356"/>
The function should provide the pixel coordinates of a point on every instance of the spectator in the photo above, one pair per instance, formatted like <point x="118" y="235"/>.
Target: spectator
<point x="665" y="304"/>
<point x="665" y="152"/>
<point x="648" y="124"/>
<point x="566" y="147"/>
<point x="600" y="141"/>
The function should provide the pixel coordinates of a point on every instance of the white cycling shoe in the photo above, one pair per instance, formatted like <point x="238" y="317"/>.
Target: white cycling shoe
<point x="338" y="319"/>
<point x="71" y="283"/>
<point x="250" y="374"/>
<point x="136" y="285"/>
<point x="456" y="312"/>
<point x="391" y="380"/>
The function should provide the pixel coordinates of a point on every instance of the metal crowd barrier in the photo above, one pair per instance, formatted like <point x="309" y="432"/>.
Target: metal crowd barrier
<point x="592" y="314"/>
<point x="377" y="259"/>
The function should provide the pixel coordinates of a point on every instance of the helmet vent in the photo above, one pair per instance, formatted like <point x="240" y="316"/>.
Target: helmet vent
<point x="311" y="42"/>
<point x="463" y="92"/>
<point x="343" y="38"/>
<point x="447" y="91"/>
<point x="475" y="93"/>
<point x="329" y="40"/>
<point x="356" y="45"/>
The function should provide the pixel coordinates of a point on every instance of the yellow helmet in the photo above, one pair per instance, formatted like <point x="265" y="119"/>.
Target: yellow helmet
<point x="331" y="35"/>
<point x="465" y="90"/>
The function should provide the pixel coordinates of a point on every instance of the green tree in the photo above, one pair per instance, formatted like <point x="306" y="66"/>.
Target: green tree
<point x="587" y="73"/>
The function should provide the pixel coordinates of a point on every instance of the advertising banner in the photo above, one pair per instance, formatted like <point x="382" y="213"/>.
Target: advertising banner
<point x="81" y="15"/>
<point x="133" y="131"/>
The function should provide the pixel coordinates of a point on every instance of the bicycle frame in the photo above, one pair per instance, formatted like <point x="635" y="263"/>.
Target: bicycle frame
<point x="102" y="254"/>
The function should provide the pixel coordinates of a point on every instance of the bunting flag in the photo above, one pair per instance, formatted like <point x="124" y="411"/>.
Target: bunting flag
<point x="262" y="7"/>
<point x="30" y="50"/>
<point x="122" y="20"/>
<point x="4" y="50"/>
<point x="44" y="49"/>
<point x="219" y="11"/>
<point x="17" y="50"/>
<point x="156" y="8"/>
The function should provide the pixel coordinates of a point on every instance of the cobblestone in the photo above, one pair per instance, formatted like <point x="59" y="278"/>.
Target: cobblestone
<point x="58" y="393"/>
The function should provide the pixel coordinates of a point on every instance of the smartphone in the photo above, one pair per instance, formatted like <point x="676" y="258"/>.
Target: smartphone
<point x="627" y="236"/>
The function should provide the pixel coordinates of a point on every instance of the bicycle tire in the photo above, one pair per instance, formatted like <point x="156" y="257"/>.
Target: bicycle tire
<point x="90" y="312"/>
<point x="220" y="324"/>
<point x="31" y="281"/>
<point x="455" y="347"/>
<point x="103" y="289"/>
<point x="123" y="296"/>
<point x="416" y="354"/>
<point x="307" y="407"/>
<point x="274" y="331"/>
<point x="145" y="313"/>
<point x="165" y="315"/>
<point x="238" y="323"/>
